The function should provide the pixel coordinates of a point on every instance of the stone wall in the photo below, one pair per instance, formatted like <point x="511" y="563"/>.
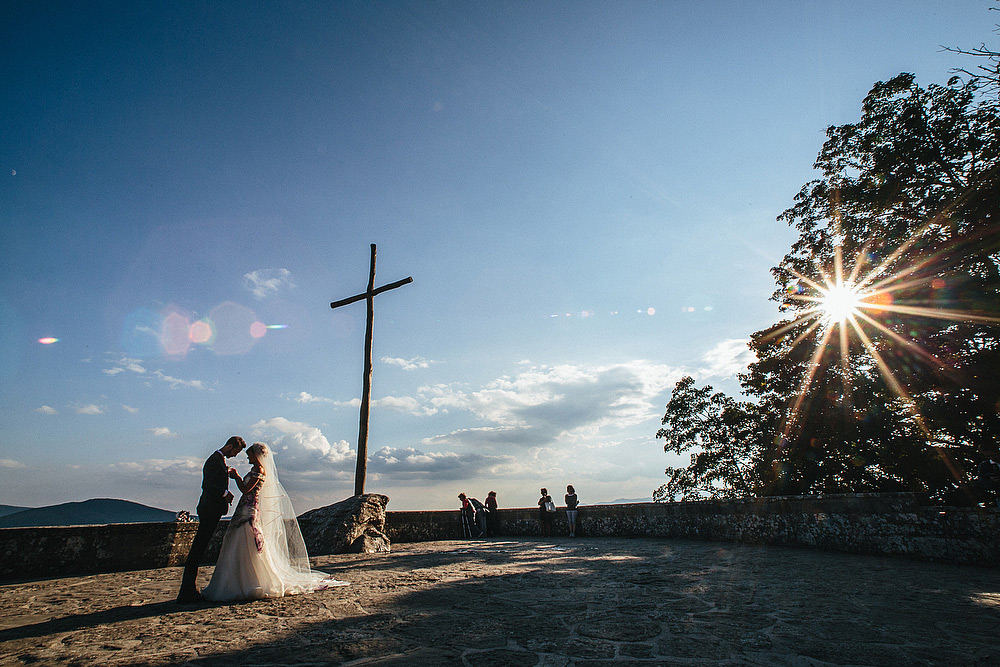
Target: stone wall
<point x="877" y="524"/>
<point x="897" y="525"/>
<point x="73" y="550"/>
<point x="55" y="551"/>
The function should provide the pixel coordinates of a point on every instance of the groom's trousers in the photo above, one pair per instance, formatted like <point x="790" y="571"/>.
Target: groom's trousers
<point x="206" y="527"/>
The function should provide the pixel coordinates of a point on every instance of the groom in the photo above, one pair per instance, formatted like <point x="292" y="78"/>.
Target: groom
<point x="214" y="503"/>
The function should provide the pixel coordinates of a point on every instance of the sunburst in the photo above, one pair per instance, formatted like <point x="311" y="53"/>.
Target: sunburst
<point x="840" y="303"/>
<point x="844" y="307"/>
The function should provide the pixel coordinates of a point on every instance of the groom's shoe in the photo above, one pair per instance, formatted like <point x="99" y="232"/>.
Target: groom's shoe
<point x="190" y="597"/>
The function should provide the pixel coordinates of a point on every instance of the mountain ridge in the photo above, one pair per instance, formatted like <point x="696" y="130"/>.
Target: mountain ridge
<point x="82" y="513"/>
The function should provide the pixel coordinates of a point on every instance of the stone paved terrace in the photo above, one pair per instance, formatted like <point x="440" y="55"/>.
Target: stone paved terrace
<point x="587" y="602"/>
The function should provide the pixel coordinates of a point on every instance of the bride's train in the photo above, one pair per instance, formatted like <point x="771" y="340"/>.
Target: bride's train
<point x="246" y="572"/>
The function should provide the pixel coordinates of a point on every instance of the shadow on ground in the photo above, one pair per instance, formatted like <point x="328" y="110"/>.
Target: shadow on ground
<point x="572" y="603"/>
<point x="584" y="605"/>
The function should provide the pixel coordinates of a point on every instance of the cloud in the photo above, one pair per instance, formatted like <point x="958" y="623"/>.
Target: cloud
<point x="162" y="432"/>
<point x="411" y="464"/>
<point x="263" y="283"/>
<point x="726" y="359"/>
<point x="177" y="382"/>
<point x="405" y="404"/>
<point x="10" y="463"/>
<point x="130" y="409"/>
<point x="545" y="404"/>
<point x="306" y="397"/>
<point x="408" y="364"/>
<point x="89" y="410"/>
<point x="301" y="447"/>
<point x="181" y="473"/>
<point x="46" y="410"/>
<point x="494" y="437"/>
<point x="127" y="364"/>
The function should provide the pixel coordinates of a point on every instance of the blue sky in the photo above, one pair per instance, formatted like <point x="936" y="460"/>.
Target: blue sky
<point x="584" y="193"/>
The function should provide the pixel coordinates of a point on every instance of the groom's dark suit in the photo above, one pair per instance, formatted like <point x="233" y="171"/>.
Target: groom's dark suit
<point x="214" y="503"/>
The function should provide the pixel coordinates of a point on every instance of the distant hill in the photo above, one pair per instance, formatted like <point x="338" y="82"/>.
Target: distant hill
<point x="10" y="509"/>
<point x="95" y="511"/>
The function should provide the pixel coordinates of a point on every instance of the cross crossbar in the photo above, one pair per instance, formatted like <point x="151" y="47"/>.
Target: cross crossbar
<point x="378" y="290"/>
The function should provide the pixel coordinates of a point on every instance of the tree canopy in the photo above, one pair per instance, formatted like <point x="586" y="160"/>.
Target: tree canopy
<point x="883" y="373"/>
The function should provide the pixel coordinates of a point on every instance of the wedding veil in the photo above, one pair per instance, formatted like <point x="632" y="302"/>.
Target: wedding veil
<point x="279" y="529"/>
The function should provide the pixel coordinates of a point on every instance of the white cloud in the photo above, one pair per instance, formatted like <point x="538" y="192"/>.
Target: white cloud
<point x="10" y="463"/>
<point x="409" y="464"/>
<point x="89" y="410"/>
<point x="408" y="364"/>
<point x="177" y="382"/>
<point x="306" y="397"/>
<point x="726" y="359"/>
<point x="127" y="364"/>
<point x="46" y="410"/>
<point x="405" y="404"/>
<point x="162" y="432"/>
<point x="263" y="283"/>
<point x="130" y="409"/>
<point x="545" y="404"/>
<point x="182" y="474"/>
<point x="299" y="446"/>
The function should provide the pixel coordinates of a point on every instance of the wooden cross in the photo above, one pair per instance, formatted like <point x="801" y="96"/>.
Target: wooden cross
<point x="366" y="391"/>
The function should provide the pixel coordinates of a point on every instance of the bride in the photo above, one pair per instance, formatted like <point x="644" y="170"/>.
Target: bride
<point x="263" y="554"/>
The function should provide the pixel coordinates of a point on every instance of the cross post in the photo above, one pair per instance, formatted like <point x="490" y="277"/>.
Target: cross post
<point x="369" y="295"/>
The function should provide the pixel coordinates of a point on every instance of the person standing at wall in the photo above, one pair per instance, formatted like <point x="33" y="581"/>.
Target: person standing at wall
<point x="492" y="515"/>
<point x="546" y="512"/>
<point x="571" y="505"/>
<point x="469" y="528"/>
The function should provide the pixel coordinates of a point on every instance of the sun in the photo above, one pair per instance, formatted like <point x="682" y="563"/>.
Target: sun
<point x="840" y="302"/>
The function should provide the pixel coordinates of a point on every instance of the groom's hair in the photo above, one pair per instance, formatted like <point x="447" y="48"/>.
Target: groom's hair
<point x="236" y="440"/>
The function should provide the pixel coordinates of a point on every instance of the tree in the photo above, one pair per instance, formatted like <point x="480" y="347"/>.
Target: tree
<point x="883" y="373"/>
<point x="727" y="463"/>
<point x="988" y="72"/>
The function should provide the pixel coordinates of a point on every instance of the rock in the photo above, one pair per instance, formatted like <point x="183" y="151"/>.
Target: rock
<point x="355" y="525"/>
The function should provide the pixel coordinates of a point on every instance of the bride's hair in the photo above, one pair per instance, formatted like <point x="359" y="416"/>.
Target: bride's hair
<point x="259" y="448"/>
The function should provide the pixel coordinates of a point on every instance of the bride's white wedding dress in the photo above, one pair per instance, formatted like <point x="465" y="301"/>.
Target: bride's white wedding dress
<point x="263" y="554"/>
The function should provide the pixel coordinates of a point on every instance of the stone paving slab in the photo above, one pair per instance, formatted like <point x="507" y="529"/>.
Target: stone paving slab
<point x="531" y="603"/>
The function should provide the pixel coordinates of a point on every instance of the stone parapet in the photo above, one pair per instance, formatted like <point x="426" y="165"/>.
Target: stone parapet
<point x="74" y="550"/>
<point x="875" y="524"/>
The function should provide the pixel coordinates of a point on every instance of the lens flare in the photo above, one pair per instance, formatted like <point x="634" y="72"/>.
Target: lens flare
<point x="175" y="333"/>
<point x="232" y="325"/>
<point x="200" y="332"/>
<point x="140" y="333"/>
<point x="277" y="326"/>
<point x="49" y="340"/>
<point x="839" y="302"/>
<point x="258" y="329"/>
<point x="846" y="305"/>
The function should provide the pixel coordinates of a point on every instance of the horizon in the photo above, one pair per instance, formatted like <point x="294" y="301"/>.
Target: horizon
<point x="584" y="195"/>
<point x="617" y="501"/>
